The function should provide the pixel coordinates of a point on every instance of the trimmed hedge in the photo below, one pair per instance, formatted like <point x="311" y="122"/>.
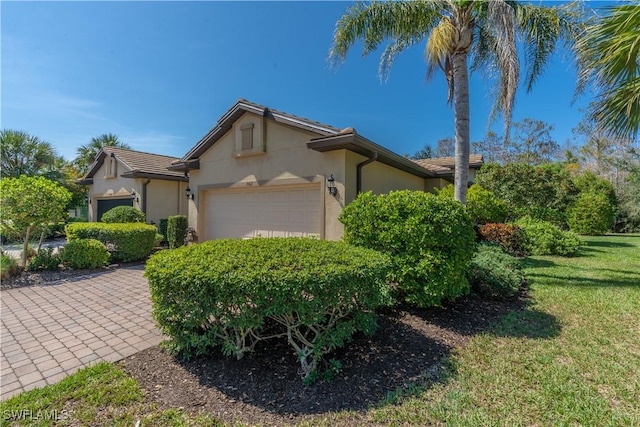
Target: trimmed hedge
<point x="430" y="240"/>
<point x="122" y="214"/>
<point x="509" y="237"/>
<point x="84" y="253"/>
<point x="177" y="230"/>
<point x="126" y="241"/>
<point x="544" y="238"/>
<point x="234" y="293"/>
<point x="494" y="273"/>
<point x="592" y="214"/>
<point x="162" y="228"/>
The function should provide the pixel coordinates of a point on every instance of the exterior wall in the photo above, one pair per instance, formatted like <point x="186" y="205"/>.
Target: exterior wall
<point x="118" y="187"/>
<point x="431" y="184"/>
<point x="164" y="199"/>
<point x="285" y="161"/>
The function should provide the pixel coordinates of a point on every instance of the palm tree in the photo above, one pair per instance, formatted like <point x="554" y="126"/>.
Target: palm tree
<point x="454" y="29"/>
<point x="609" y="56"/>
<point x="87" y="153"/>
<point x="24" y="154"/>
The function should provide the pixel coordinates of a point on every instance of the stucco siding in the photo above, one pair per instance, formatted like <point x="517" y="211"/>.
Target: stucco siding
<point x="285" y="161"/>
<point x="164" y="199"/>
<point x="117" y="187"/>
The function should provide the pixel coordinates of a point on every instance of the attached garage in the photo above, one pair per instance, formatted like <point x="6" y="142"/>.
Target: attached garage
<point x="107" y="204"/>
<point x="275" y="211"/>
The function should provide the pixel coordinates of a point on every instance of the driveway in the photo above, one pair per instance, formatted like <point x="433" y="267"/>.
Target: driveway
<point x="51" y="331"/>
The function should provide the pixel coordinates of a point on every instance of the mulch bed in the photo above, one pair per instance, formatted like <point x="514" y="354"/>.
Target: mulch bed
<point x="264" y="388"/>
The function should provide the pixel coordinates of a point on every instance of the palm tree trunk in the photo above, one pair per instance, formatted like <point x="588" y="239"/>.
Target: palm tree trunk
<point x="461" y="118"/>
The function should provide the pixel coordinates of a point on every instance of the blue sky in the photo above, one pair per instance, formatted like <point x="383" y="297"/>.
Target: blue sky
<point x="160" y="74"/>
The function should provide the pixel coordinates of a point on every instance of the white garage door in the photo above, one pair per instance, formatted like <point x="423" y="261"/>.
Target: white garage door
<point x="292" y="211"/>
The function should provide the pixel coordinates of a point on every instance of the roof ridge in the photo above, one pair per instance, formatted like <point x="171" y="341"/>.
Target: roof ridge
<point x="107" y="148"/>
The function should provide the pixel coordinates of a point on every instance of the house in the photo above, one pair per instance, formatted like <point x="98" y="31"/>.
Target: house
<point x="120" y="177"/>
<point x="475" y="163"/>
<point x="263" y="172"/>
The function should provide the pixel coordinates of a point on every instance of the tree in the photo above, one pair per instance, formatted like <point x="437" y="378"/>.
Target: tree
<point x="454" y="30"/>
<point x="87" y="153"/>
<point x="425" y="153"/>
<point x="446" y="147"/>
<point x="609" y="54"/>
<point x="493" y="148"/>
<point x="29" y="204"/>
<point x="24" y="154"/>
<point x="531" y="142"/>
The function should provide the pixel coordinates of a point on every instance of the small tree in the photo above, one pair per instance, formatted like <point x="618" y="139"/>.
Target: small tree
<point x="29" y="204"/>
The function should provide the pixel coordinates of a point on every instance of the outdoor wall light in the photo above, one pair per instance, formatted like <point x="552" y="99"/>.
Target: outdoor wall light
<point x="331" y="186"/>
<point x="189" y="194"/>
<point x="134" y="197"/>
<point x="87" y="200"/>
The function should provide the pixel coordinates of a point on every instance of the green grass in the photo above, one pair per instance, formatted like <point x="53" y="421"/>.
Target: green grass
<point x="571" y="358"/>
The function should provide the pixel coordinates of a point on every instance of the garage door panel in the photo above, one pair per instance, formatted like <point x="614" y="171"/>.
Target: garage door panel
<point x="264" y="212"/>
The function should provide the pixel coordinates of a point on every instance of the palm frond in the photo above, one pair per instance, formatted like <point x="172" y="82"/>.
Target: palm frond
<point x="609" y="53"/>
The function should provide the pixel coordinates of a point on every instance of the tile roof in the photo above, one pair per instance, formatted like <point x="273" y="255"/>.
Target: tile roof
<point x="137" y="164"/>
<point x="475" y="160"/>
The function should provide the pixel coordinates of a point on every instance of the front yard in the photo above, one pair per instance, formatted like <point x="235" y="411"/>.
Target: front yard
<point x="567" y="354"/>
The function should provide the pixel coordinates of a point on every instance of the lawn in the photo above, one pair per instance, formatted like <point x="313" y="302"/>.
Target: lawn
<point x="571" y="357"/>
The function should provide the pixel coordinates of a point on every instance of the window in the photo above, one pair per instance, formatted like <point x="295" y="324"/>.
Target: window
<point x="247" y="136"/>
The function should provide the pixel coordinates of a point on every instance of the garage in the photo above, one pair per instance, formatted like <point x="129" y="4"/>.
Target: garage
<point x="277" y="211"/>
<point x="107" y="204"/>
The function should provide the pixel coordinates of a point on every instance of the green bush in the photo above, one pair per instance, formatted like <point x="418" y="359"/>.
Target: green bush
<point x="430" y="240"/>
<point x="544" y="238"/>
<point x="8" y="266"/>
<point x="482" y="205"/>
<point x="233" y="293"/>
<point x="84" y="253"/>
<point x="509" y="237"/>
<point x="162" y="228"/>
<point x="494" y="273"/>
<point x="591" y="214"/>
<point x="122" y="214"/>
<point x="45" y="259"/>
<point x="126" y="242"/>
<point x="177" y="230"/>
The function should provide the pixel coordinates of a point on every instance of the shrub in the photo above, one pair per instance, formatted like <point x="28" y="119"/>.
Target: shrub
<point x="45" y="259"/>
<point x="591" y="214"/>
<point x="162" y="228"/>
<point x="494" y="273"/>
<point x="122" y="214"/>
<point x="544" y="238"/>
<point x="8" y="266"/>
<point x="544" y="192"/>
<point x="482" y="205"/>
<point x="430" y="240"/>
<point x="126" y="242"/>
<point x="233" y="293"/>
<point x="84" y="253"/>
<point x="177" y="230"/>
<point x="509" y="237"/>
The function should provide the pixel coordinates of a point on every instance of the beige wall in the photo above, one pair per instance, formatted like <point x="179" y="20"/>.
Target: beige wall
<point x="286" y="161"/>
<point x="105" y="188"/>
<point x="431" y="184"/>
<point x="164" y="199"/>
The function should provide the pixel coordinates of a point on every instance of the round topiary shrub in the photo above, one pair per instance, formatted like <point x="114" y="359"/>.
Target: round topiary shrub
<point x="123" y="214"/>
<point x="483" y="206"/>
<point x="314" y="294"/>
<point x="84" y="253"/>
<point x="494" y="273"/>
<point x="591" y="214"/>
<point x="430" y="240"/>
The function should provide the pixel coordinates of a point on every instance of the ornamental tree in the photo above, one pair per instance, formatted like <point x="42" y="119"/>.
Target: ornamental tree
<point x="29" y="203"/>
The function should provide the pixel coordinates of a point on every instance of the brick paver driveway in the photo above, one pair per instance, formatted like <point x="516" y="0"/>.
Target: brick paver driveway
<point x="51" y="331"/>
